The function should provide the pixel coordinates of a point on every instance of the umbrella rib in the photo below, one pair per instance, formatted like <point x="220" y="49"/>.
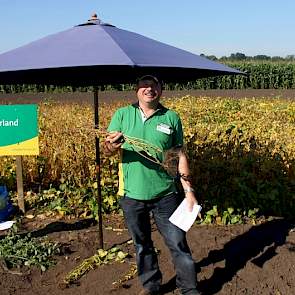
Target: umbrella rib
<point x="117" y="44"/>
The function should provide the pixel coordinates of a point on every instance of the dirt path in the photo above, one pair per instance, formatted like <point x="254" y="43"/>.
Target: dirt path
<point x="240" y="259"/>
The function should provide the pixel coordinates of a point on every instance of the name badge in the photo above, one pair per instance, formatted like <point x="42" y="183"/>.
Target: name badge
<point x="164" y="128"/>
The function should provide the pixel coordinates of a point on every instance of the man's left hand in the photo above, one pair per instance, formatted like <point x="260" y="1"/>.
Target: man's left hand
<point x="191" y="201"/>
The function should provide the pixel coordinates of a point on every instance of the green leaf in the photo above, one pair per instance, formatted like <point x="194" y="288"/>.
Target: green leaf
<point x="230" y="210"/>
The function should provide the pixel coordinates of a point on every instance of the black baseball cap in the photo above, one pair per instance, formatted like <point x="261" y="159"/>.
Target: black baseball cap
<point x="148" y="78"/>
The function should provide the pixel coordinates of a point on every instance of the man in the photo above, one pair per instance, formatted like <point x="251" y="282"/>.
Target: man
<point x="146" y="187"/>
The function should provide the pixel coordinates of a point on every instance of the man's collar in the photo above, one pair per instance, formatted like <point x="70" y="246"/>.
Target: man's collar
<point x="160" y="107"/>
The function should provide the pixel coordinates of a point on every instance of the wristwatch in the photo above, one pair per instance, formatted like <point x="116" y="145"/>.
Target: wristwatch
<point x="188" y="189"/>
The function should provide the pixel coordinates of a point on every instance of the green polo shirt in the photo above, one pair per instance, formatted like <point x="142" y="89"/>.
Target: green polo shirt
<point x="140" y="178"/>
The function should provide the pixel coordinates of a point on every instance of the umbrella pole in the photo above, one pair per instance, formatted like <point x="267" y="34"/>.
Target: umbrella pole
<point x="97" y="169"/>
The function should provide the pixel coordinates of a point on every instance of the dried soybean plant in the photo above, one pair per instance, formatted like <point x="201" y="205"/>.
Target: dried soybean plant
<point x="168" y="159"/>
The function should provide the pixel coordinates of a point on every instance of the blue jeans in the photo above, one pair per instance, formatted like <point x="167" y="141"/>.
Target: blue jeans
<point x="137" y="218"/>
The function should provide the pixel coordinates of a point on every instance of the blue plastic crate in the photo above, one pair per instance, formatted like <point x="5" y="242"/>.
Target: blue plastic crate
<point x="6" y="207"/>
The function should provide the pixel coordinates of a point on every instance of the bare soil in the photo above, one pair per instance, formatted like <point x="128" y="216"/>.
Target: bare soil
<point x="110" y="96"/>
<point x="236" y="259"/>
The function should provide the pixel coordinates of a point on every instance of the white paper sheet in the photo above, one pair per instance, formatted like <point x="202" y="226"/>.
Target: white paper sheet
<point x="182" y="217"/>
<point x="6" y="225"/>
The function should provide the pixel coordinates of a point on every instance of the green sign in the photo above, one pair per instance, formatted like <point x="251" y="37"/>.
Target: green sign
<point x="18" y="130"/>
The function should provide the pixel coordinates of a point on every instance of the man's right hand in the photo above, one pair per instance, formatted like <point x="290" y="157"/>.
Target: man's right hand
<point x="110" y="143"/>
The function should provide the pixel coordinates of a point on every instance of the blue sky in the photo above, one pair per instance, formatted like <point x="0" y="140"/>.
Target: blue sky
<point x="210" y="27"/>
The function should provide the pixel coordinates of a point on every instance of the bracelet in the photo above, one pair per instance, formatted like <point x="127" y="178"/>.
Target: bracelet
<point x="186" y="177"/>
<point x="188" y="189"/>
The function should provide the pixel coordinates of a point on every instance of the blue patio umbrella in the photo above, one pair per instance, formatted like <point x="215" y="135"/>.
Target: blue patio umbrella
<point x="96" y="53"/>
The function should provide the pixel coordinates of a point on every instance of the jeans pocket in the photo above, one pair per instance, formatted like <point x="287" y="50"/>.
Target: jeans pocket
<point x="167" y="205"/>
<point x="127" y="203"/>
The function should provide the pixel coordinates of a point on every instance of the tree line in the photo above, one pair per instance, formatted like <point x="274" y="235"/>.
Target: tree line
<point x="238" y="56"/>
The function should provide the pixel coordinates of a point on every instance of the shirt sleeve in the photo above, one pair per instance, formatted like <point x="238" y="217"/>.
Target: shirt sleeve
<point x="177" y="140"/>
<point x="116" y="122"/>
